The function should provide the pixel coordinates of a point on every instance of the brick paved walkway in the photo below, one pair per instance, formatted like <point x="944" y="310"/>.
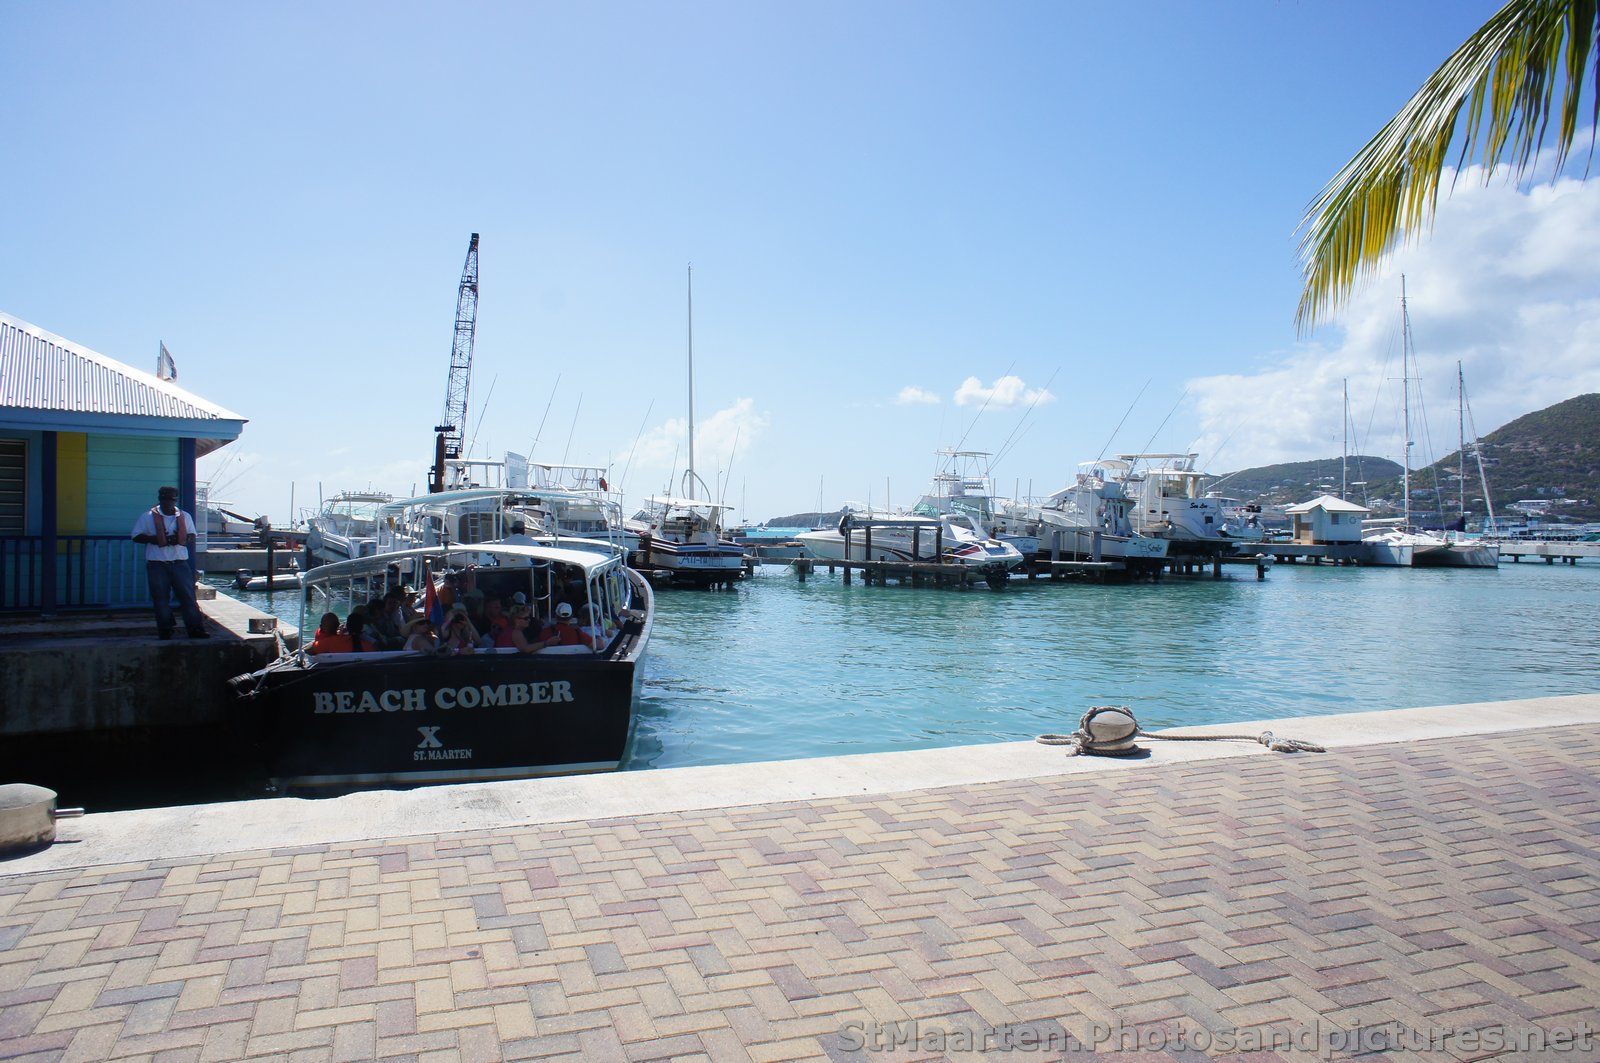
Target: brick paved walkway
<point x="1447" y="885"/>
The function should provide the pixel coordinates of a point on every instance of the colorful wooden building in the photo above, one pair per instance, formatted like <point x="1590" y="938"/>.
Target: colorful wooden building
<point x="85" y="441"/>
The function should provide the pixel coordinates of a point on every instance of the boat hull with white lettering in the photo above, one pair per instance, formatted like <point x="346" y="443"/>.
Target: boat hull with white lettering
<point x="360" y="723"/>
<point x="396" y="718"/>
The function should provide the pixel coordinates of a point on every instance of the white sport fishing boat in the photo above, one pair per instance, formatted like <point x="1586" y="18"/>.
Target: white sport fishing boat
<point x="1089" y="519"/>
<point x="345" y="527"/>
<point x="682" y="538"/>
<point x="571" y="501"/>
<point x="949" y="538"/>
<point x="1170" y="502"/>
<point x="964" y="486"/>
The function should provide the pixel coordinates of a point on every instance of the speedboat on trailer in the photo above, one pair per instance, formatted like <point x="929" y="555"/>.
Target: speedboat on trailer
<point x="341" y="721"/>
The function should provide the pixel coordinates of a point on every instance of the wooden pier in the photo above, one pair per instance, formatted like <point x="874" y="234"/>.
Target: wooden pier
<point x="1305" y="553"/>
<point x="916" y="573"/>
<point x="1547" y="551"/>
<point x="1357" y="553"/>
<point x="1056" y="569"/>
<point x="258" y="560"/>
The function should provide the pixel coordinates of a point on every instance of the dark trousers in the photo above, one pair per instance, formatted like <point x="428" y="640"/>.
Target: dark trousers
<point x="168" y="578"/>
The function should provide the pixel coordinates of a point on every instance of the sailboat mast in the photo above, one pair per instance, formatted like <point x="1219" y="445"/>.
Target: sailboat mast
<point x="1490" y="527"/>
<point x="1344" y="456"/>
<point x="1405" y="399"/>
<point x="1461" y="428"/>
<point x="689" y="477"/>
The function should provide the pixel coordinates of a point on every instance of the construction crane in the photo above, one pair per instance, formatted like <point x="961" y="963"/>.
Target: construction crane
<point x="449" y="433"/>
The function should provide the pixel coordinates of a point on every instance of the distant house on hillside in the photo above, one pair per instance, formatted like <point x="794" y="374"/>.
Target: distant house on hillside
<point x="1327" y="519"/>
<point x="85" y="441"/>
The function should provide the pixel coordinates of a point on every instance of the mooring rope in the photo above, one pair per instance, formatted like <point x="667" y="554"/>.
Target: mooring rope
<point x="1110" y="730"/>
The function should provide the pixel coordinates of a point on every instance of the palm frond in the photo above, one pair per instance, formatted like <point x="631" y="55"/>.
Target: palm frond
<point x="1505" y="76"/>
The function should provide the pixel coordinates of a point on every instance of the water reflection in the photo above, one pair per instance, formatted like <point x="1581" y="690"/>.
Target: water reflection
<point x="776" y="668"/>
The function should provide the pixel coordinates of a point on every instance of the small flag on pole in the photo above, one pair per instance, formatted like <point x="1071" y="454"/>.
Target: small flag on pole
<point x="166" y="368"/>
<point x="432" y="607"/>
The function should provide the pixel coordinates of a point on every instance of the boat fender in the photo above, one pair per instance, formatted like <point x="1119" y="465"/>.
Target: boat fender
<point x="1110" y="731"/>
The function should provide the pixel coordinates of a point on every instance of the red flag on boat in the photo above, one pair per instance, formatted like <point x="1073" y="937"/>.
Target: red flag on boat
<point x="432" y="608"/>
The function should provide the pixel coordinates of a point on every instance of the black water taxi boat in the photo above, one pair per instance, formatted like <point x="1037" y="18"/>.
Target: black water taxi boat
<point x="395" y="718"/>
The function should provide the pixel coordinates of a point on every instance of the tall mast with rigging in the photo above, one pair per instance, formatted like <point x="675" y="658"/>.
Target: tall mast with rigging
<point x="1405" y="400"/>
<point x="688" y="476"/>
<point x="1344" y="456"/>
<point x="452" y="428"/>
<point x="1461" y="428"/>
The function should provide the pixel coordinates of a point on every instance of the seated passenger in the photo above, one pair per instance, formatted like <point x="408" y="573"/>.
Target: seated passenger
<point x="357" y="626"/>
<point x="494" y="622"/>
<point x="597" y="627"/>
<point x="331" y="638"/>
<point x="515" y="634"/>
<point x="394" y="617"/>
<point x="445" y="589"/>
<point x="471" y="595"/>
<point x="564" y="632"/>
<point x="459" y="637"/>
<point x="408" y="604"/>
<point x="420" y="637"/>
<point x="380" y="629"/>
<point x="328" y="638"/>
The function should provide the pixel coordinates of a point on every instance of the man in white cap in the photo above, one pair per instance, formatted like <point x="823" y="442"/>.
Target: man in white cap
<point x="564" y="632"/>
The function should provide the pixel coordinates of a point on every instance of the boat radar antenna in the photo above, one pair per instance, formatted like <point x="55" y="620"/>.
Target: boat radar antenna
<point x="448" y="433"/>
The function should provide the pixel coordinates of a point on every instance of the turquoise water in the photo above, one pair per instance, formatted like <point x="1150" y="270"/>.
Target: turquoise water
<point x="775" y="668"/>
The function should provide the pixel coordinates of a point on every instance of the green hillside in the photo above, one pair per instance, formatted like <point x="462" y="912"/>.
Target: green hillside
<point x="1299" y="481"/>
<point x="1553" y="453"/>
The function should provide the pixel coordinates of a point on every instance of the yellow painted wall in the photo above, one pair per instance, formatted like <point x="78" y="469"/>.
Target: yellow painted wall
<point x="72" y="483"/>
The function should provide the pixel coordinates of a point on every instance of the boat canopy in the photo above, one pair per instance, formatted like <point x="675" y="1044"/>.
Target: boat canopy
<point x="588" y="561"/>
<point x="447" y="498"/>
<point x="686" y="503"/>
<point x="558" y="467"/>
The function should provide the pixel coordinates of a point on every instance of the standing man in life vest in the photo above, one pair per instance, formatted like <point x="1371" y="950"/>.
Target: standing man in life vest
<point x="168" y="535"/>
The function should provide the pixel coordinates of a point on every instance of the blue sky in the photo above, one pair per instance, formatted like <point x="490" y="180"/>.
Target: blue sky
<point x="890" y="209"/>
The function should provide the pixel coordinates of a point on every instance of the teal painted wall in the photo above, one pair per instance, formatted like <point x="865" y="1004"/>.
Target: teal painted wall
<point x="123" y="475"/>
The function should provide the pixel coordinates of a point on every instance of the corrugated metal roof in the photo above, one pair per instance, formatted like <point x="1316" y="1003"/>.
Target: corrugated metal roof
<point x="42" y="371"/>
<point x="1331" y="503"/>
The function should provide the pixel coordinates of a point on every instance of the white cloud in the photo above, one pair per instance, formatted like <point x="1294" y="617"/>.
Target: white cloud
<point x="726" y="438"/>
<point x="1507" y="284"/>
<point x="912" y="395"/>
<point x="1005" y="392"/>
